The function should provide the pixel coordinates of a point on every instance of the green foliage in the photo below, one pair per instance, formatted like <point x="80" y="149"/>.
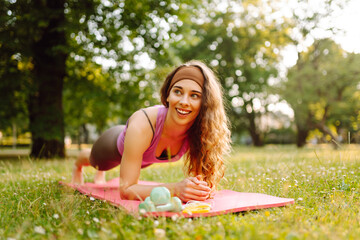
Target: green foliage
<point x="121" y="32"/>
<point x="14" y="68"/>
<point x="243" y="46"/>
<point x="322" y="88"/>
<point x="323" y="182"/>
<point x="242" y="43"/>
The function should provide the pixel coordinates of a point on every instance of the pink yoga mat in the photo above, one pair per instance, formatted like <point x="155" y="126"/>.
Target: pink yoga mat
<point x="224" y="201"/>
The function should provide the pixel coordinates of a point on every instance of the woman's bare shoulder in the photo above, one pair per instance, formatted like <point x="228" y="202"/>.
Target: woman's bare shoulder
<point x="152" y="113"/>
<point x="139" y="128"/>
<point x="140" y="120"/>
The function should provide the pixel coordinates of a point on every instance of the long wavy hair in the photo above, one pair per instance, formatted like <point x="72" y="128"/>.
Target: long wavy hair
<point x="209" y="136"/>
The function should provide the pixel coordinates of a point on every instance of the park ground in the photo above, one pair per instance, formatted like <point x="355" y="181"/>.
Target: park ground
<point x="323" y="182"/>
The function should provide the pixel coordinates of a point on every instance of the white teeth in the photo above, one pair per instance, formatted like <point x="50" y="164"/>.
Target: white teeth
<point x="183" y="112"/>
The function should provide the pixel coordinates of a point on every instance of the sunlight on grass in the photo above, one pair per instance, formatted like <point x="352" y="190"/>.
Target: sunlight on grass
<point x="324" y="183"/>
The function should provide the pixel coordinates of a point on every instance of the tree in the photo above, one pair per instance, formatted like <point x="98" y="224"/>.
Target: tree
<point x="13" y="109"/>
<point x="34" y="35"/>
<point x="320" y="87"/>
<point x="124" y="34"/>
<point x="45" y="34"/>
<point x="243" y="44"/>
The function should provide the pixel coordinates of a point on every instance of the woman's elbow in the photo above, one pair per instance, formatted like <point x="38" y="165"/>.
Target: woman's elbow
<point x="124" y="193"/>
<point x="127" y="194"/>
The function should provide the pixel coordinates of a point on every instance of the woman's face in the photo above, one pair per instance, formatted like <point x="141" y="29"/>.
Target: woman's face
<point x="185" y="102"/>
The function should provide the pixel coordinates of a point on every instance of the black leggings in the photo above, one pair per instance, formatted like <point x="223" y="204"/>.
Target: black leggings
<point x="104" y="153"/>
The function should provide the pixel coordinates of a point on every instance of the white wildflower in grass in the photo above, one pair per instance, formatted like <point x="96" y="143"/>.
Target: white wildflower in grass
<point x="44" y="204"/>
<point x="156" y="223"/>
<point x="87" y="212"/>
<point x="56" y="216"/>
<point x="96" y="220"/>
<point x="300" y="199"/>
<point x="80" y="231"/>
<point x="39" y="229"/>
<point x="159" y="233"/>
<point x="174" y="217"/>
<point x="142" y="211"/>
<point x="92" y="199"/>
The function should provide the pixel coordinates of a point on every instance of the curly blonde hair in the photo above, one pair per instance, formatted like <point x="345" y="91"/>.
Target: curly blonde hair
<point x="209" y="136"/>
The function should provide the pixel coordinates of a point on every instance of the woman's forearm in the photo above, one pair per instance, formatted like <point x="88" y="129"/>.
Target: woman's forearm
<point x="140" y="191"/>
<point x="188" y="189"/>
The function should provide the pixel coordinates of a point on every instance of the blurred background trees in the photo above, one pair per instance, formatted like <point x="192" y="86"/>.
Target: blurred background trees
<point x="77" y="67"/>
<point x="322" y="89"/>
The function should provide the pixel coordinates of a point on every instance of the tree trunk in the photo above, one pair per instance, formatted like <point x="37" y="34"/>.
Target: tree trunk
<point x="14" y="136"/>
<point x="45" y="101"/>
<point x="85" y="132"/>
<point x="301" y="136"/>
<point x="334" y="140"/>
<point x="79" y="138"/>
<point x="254" y="133"/>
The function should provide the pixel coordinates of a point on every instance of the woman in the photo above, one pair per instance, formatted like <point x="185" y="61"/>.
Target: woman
<point x="192" y="121"/>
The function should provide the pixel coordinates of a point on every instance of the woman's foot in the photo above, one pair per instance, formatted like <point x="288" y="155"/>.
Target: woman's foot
<point x="77" y="176"/>
<point x="82" y="160"/>
<point x="99" y="177"/>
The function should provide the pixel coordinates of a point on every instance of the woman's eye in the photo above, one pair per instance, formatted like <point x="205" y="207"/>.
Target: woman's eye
<point x="195" y="96"/>
<point x="177" y="91"/>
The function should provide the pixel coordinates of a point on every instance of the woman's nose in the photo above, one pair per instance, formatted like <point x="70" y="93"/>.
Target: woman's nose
<point x="184" y="100"/>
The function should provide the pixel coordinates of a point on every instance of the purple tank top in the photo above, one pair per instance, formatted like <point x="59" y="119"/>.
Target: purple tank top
<point x="149" y="156"/>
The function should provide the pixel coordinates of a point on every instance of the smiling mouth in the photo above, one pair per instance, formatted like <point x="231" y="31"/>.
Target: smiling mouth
<point x="183" y="112"/>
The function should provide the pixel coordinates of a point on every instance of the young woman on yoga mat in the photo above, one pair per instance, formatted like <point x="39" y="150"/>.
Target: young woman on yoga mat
<point x="191" y="122"/>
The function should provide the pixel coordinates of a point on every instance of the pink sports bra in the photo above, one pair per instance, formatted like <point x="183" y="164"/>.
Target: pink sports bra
<point x="149" y="156"/>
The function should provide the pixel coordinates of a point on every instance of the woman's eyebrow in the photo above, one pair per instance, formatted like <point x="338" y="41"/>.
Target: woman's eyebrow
<point x="180" y="87"/>
<point x="197" y="91"/>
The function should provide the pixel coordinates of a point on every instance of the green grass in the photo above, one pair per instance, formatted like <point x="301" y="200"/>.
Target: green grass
<point x="323" y="182"/>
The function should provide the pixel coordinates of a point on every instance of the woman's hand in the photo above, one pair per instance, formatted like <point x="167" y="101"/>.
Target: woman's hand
<point x="192" y="188"/>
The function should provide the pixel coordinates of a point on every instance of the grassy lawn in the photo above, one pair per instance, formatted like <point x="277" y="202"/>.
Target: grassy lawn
<point x="324" y="183"/>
